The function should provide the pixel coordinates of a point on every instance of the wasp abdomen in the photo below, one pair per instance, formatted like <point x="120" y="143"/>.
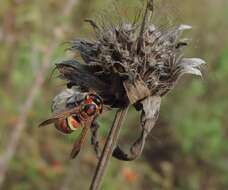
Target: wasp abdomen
<point x="67" y="125"/>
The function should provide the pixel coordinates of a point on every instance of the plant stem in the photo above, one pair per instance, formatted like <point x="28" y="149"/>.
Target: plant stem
<point x="108" y="148"/>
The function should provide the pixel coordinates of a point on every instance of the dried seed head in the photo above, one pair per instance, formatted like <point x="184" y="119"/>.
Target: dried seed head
<point x="124" y="60"/>
<point x="129" y="51"/>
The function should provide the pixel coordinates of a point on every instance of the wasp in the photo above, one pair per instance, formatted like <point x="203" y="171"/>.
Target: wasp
<point x="81" y="110"/>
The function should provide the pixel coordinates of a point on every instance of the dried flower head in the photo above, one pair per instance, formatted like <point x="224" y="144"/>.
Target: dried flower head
<point x="127" y="53"/>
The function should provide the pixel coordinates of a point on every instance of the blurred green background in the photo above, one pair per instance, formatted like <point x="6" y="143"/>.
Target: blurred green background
<point x="188" y="148"/>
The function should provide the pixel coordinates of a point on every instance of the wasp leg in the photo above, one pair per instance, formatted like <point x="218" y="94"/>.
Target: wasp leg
<point x="94" y="138"/>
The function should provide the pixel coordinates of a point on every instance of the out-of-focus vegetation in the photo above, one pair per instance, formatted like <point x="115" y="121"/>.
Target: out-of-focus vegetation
<point x="188" y="149"/>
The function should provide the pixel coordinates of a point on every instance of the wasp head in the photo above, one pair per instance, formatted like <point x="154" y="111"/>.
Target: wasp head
<point x="96" y="100"/>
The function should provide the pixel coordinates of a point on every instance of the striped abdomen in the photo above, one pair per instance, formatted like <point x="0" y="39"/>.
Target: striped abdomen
<point x="71" y="123"/>
<point x="67" y="125"/>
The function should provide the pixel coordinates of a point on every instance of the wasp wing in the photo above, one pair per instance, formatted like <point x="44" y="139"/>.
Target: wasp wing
<point x="80" y="141"/>
<point x="67" y="99"/>
<point x="64" y="114"/>
<point x="64" y="104"/>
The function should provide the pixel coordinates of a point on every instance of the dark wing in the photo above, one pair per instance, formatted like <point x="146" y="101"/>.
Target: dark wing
<point x="67" y="99"/>
<point x="63" y="114"/>
<point x="64" y="104"/>
<point x="80" y="141"/>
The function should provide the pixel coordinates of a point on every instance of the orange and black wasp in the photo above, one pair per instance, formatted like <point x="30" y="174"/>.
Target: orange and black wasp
<point x="79" y="114"/>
